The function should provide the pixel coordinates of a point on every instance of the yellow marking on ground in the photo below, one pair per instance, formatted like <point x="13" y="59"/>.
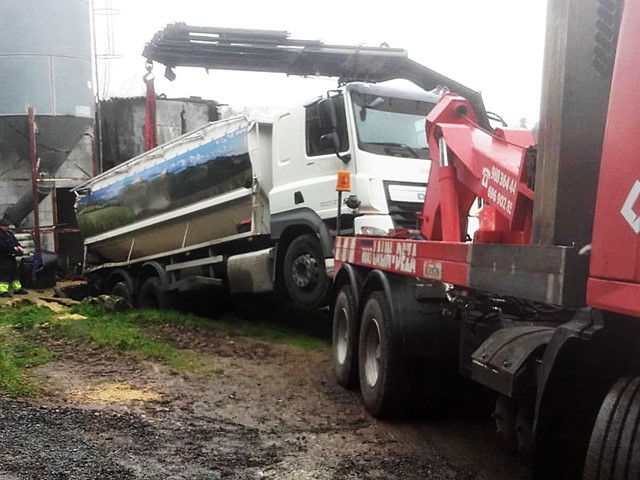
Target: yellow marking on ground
<point x="25" y="301"/>
<point x="71" y="316"/>
<point x="112" y="393"/>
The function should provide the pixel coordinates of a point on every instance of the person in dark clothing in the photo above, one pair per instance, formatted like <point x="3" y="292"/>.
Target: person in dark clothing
<point x="9" y="249"/>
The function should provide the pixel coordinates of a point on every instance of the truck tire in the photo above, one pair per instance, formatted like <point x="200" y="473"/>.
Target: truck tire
<point x="305" y="276"/>
<point x="152" y="296"/>
<point x="121" y="289"/>
<point x="614" y="449"/>
<point x="345" y="338"/>
<point x="380" y="366"/>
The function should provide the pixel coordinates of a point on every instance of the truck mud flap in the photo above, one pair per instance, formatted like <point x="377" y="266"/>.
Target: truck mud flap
<point x="500" y="362"/>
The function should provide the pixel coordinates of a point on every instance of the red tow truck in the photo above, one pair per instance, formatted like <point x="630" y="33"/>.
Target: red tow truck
<point x="541" y="308"/>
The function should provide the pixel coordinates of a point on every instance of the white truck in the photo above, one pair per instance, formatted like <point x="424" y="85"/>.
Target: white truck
<point x="249" y="203"/>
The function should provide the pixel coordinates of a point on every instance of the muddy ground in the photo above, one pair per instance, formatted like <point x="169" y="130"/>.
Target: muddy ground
<point x="266" y="411"/>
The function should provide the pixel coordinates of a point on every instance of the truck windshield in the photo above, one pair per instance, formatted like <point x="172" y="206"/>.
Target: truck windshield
<point x="391" y="126"/>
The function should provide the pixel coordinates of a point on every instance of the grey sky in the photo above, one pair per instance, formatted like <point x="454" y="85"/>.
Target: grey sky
<point x="494" y="46"/>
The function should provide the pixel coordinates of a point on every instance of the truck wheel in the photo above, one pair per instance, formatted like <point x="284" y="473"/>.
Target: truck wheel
<point x="305" y="276"/>
<point x="614" y="449"/>
<point x="152" y="296"/>
<point x="379" y="365"/>
<point x="121" y="289"/>
<point x="345" y="338"/>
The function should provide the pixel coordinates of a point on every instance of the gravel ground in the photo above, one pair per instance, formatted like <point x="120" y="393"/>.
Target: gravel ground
<point x="268" y="411"/>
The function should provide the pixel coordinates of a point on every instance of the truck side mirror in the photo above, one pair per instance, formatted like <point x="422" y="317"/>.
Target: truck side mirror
<point x="331" y="142"/>
<point x="327" y="117"/>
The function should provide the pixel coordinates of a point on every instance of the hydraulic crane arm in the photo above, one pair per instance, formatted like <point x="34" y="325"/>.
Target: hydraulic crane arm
<point x="469" y="163"/>
<point x="273" y="51"/>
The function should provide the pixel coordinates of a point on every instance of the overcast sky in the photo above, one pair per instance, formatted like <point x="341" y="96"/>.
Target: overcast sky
<point x="494" y="46"/>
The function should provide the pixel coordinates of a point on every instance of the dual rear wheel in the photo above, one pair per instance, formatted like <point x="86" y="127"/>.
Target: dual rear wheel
<point x="121" y="289"/>
<point x="153" y="296"/>
<point x="366" y="355"/>
<point x="380" y="365"/>
<point x="345" y="338"/>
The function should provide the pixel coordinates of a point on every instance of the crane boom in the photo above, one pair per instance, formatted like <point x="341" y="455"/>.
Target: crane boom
<point x="181" y="45"/>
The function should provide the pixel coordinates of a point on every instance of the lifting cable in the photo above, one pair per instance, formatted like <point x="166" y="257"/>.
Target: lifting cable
<point x="150" y="122"/>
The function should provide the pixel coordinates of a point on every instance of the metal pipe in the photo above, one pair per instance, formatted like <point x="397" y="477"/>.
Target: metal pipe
<point x="444" y="154"/>
<point x="33" y="152"/>
<point x="339" y="212"/>
<point x="99" y="145"/>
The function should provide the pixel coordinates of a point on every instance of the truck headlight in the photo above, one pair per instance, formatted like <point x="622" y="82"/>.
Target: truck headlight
<point x="373" y="232"/>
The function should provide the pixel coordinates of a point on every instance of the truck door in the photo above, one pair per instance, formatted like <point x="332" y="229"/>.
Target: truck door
<point x="321" y="164"/>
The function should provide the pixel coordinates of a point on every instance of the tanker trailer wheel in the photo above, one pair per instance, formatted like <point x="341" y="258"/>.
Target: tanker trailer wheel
<point x="152" y="296"/>
<point x="305" y="276"/>
<point x="345" y="338"/>
<point x="121" y="289"/>
<point x="380" y="367"/>
<point x="614" y="449"/>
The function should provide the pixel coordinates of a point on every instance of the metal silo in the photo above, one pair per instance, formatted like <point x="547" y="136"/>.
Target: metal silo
<point x="45" y="62"/>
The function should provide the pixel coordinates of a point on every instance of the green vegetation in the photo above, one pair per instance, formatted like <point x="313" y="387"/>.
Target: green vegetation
<point x="268" y="332"/>
<point x="124" y="331"/>
<point x="24" y="328"/>
<point x="17" y="353"/>
<point x="25" y="318"/>
<point x="264" y="331"/>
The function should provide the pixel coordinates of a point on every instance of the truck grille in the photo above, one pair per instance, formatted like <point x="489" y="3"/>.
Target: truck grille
<point x="404" y="214"/>
<point x="405" y="202"/>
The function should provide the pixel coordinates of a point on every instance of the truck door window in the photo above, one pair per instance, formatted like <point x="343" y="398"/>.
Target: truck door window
<point x="312" y="128"/>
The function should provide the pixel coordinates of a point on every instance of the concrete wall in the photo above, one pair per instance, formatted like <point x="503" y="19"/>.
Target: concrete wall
<point x="123" y="122"/>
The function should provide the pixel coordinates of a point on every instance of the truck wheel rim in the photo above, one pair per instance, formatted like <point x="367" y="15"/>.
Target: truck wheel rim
<point x="342" y="340"/>
<point x="372" y="353"/>
<point x="305" y="271"/>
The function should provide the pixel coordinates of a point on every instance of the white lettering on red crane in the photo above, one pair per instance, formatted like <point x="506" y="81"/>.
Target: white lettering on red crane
<point x="391" y="255"/>
<point x="486" y="175"/>
<point x="628" y="212"/>
<point x="499" y="186"/>
<point x="345" y="249"/>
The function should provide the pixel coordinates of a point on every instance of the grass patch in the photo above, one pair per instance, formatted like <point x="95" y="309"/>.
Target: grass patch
<point x="266" y="331"/>
<point x="271" y="333"/>
<point x="120" y="331"/>
<point x="16" y="356"/>
<point x="25" y="318"/>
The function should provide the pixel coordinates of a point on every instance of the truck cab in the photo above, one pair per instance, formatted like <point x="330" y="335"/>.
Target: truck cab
<point x="376" y="132"/>
<point x="380" y="140"/>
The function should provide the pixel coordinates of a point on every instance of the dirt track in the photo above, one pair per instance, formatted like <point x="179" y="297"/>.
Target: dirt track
<point x="266" y="411"/>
